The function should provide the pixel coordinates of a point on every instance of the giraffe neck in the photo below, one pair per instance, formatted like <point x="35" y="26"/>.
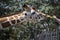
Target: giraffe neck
<point x="14" y="19"/>
<point x="11" y="20"/>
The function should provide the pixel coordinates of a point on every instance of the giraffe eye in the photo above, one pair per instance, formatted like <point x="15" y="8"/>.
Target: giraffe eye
<point x="25" y="14"/>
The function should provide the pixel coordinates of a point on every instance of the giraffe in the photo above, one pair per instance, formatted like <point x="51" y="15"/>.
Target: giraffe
<point x="16" y="18"/>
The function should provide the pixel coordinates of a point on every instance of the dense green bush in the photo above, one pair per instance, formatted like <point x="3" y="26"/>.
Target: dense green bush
<point x="46" y="6"/>
<point x="23" y="31"/>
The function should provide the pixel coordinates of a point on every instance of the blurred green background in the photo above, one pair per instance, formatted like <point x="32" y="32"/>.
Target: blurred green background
<point x="24" y="30"/>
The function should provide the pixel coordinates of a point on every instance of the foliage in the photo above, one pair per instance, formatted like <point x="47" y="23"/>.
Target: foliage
<point x="46" y="6"/>
<point x="23" y="31"/>
<point x="28" y="29"/>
